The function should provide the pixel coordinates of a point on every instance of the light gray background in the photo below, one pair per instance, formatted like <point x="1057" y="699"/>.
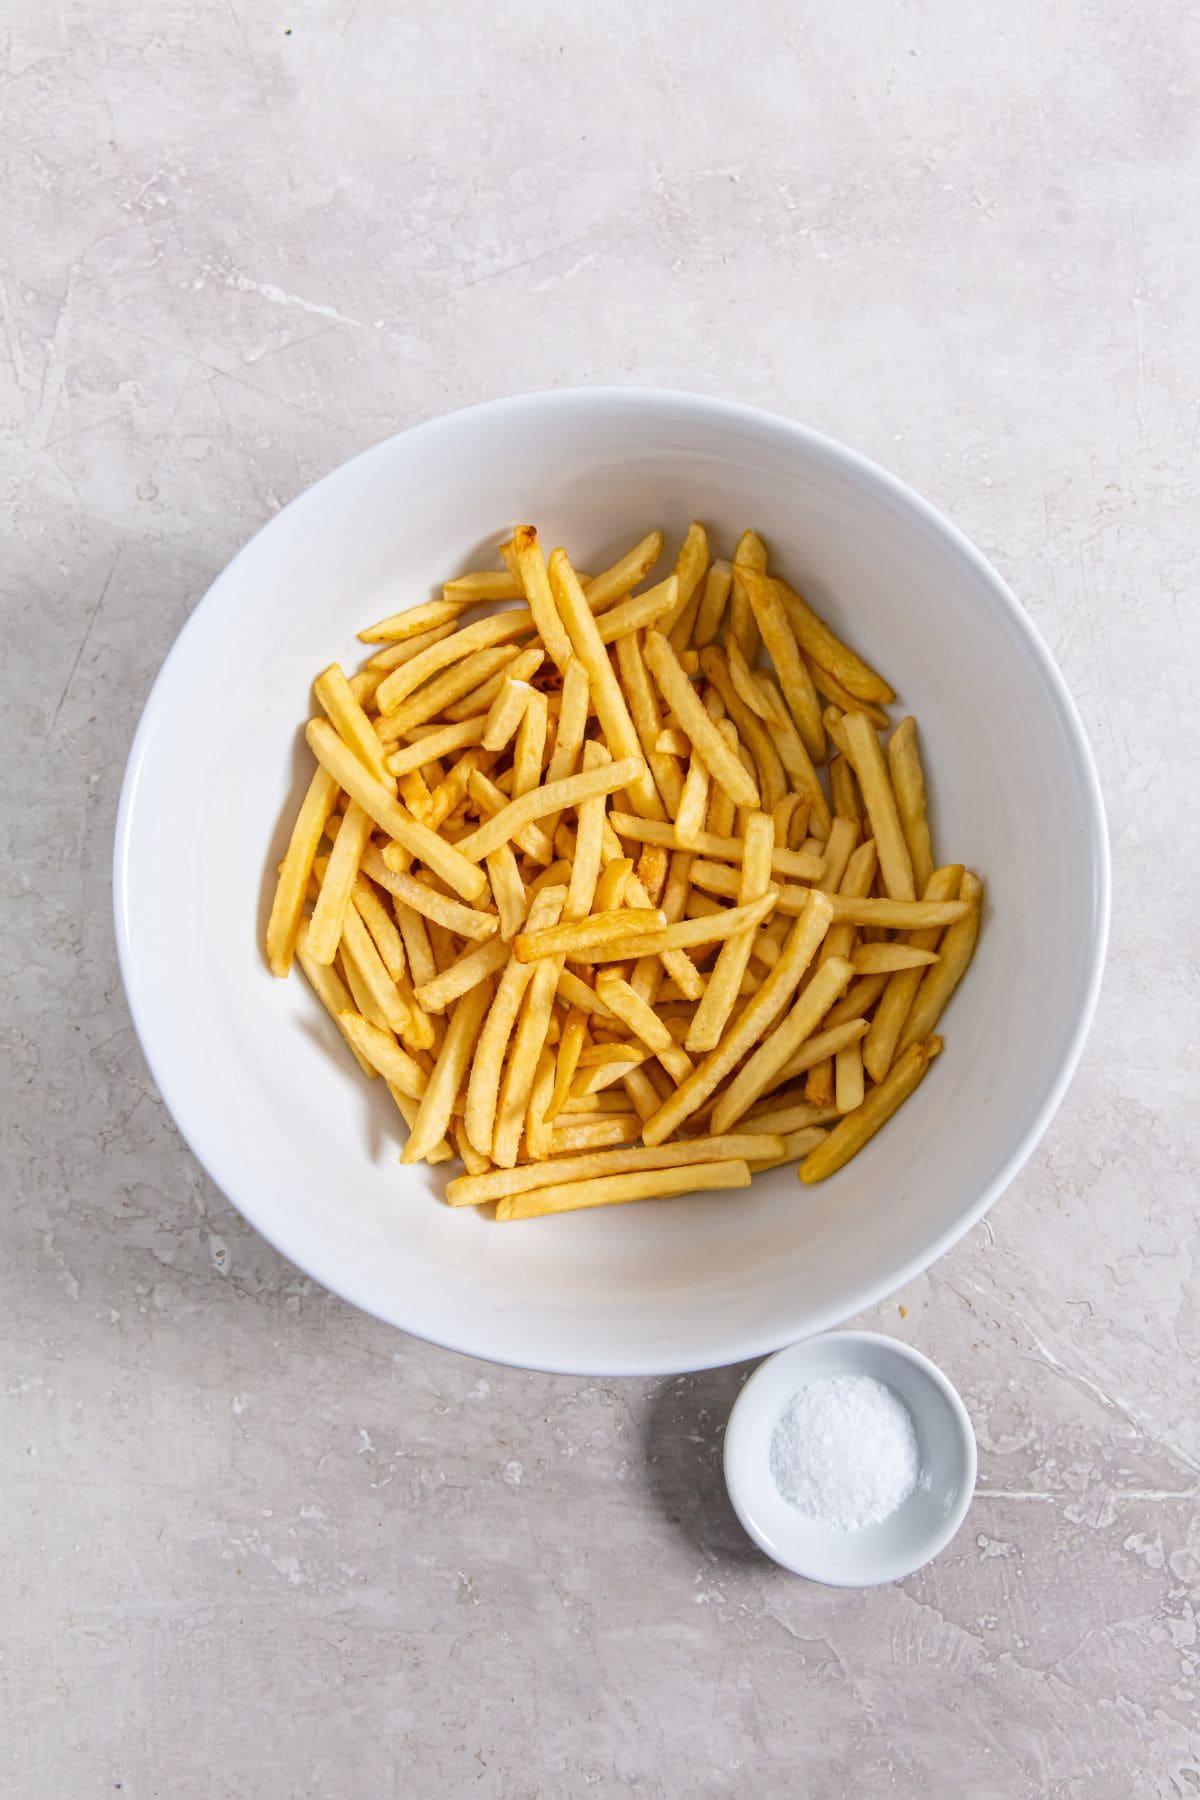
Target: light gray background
<point x="254" y="1544"/>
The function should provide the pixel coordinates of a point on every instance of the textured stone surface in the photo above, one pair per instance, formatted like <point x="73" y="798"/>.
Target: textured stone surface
<point x="256" y="1544"/>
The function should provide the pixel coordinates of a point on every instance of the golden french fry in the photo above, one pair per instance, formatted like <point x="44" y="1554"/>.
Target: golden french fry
<point x="536" y="581"/>
<point x="859" y="1127"/>
<point x="821" y="644"/>
<point x="460" y="683"/>
<point x="500" y="1184"/>
<point x="528" y="1043"/>
<point x="393" y="655"/>
<point x="330" y="990"/>
<point x="900" y="990"/>
<point x="750" y="555"/>
<point x="712" y="1014"/>
<point x="841" y="699"/>
<point x="615" y="1190"/>
<point x="643" y="708"/>
<point x="610" y="889"/>
<point x="690" y="566"/>
<point x="417" y="619"/>
<point x="475" y="966"/>
<point x="325" y="927"/>
<point x="574" y="991"/>
<point x="583" y="939"/>
<point x="796" y="1144"/>
<point x="848" y="1078"/>
<point x="778" y="636"/>
<point x="908" y="785"/>
<point x="570" y="1048"/>
<point x="508" y="890"/>
<point x="898" y="915"/>
<point x="609" y="701"/>
<point x="398" y="1069"/>
<point x="464" y="920"/>
<point x="638" y="611"/>
<point x="435" y="744"/>
<point x="680" y="696"/>
<point x="492" y="801"/>
<point x="895" y="864"/>
<point x="673" y="742"/>
<point x="712" y="604"/>
<point x="644" y="1022"/>
<point x="487" y="1068"/>
<point x="503" y="666"/>
<point x="792" y="863"/>
<point x="785" y="1113"/>
<point x="437" y="1103"/>
<point x="350" y="722"/>
<point x="759" y="700"/>
<point x="938" y="983"/>
<point x="530" y="807"/>
<point x="482" y="585"/>
<point x="466" y="880"/>
<point x="688" y="934"/>
<point x="529" y="751"/>
<point x="384" y="991"/>
<point x="885" y="959"/>
<point x="295" y="869"/>
<point x="539" y="1138"/>
<point x="693" y="803"/>
<point x="505" y="713"/>
<point x="484" y="634"/>
<point x="780" y="1045"/>
<point x="761" y="742"/>
<point x="585" y="865"/>
<point x="758" y="1017"/>
<point x="379" y="922"/>
<point x="844" y="788"/>
<point x="575" y="1134"/>
<point x="624" y="575"/>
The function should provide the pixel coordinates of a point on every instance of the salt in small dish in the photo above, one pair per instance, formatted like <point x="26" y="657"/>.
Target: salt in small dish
<point x="920" y="1527"/>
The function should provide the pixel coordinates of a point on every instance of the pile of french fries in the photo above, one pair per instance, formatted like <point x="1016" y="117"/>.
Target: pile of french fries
<point x="569" y="880"/>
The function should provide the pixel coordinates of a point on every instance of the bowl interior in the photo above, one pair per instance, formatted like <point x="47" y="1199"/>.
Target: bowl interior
<point x="918" y="1529"/>
<point x="254" y="1072"/>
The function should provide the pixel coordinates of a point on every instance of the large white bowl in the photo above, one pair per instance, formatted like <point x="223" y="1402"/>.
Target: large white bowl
<point x="254" y="1073"/>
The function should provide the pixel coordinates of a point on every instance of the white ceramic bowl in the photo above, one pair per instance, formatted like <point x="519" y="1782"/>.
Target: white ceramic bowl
<point x="910" y="1536"/>
<point x="253" y="1071"/>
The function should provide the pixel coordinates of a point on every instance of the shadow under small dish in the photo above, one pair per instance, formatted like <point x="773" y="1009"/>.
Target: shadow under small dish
<point x="792" y="1480"/>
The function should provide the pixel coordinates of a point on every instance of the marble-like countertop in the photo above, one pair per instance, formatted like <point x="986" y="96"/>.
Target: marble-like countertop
<point x="255" y="1544"/>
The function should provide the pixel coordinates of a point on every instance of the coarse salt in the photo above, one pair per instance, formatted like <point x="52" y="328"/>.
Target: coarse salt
<point x="845" y="1452"/>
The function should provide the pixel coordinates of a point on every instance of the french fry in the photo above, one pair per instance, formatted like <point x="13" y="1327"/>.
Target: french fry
<point x="841" y="699"/>
<point x="690" y="567"/>
<point x="437" y="1103"/>
<point x="712" y="604"/>
<point x="939" y="982"/>
<point x="680" y="696"/>
<point x="760" y="700"/>
<point x="471" y="968"/>
<point x="530" y="807"/>
<point x="325" y="927"/>
<point x="491" y="802"/>
<point x="398" y="1069"/>
<point x="508" y="890"/>
<point x="792" y="863"/>
<point x="844" y="789"/>
<point x="824" y="647"/>
<point x="487" y="1067"/>
<point x="484" y="634"/>
<point x="859" y="1127"/>
<point x="638" y="611"/>
<point x="461" y="683"/>
<point x="774" y="1051"/>
<point x="774" y="623"/>
<point x="482" y="585"/>
<point x="615" y="1190"/>
<point x="750" y="555"/>
<point x="505" y="713"/>
<point x="415" y="620"/>
<point x="895" y="864"/>
<point x="908" y="785"/>
<point x="643" y="708"/>
<point x="466" y="921"/>
<point x="688" y="934"/>
<point x="712" y="1014"/>
<point x="330" y="990"/>
<point x="521" y="667"/>
<point x="570" y="1047"/>
<point x="785" y="1113"/>
<point x="536" y="580"/>
<point x="644" y="1022"/>
<point x="583" y="939"/>
<point x="757" y="1017"/>
<point x="898" y="915"/>
<point x="466" y="880"/>
<point x="574" y="991"/>
<point x="539" y="1137"/>
<point x="351" y="723"/>
<point x="624" y="575"/>
<point x="528" y="1044"/>
<point x="570" y="1135"/>
<point x="529" y="752"/>
<point x="610" y="888"/>
<point x="848" y="1078"/>
<point x="900" y="989"/>
<point x="394" y="654"/>
<point x="382" y="927"/>
<point x="502" y="1184"/>
<point x="611" y="708"/>
<point x="885" y="959"/>
<point x="796" y="1144"/>
<point x="438" y="743"/>
<point x="288" y="904"/>
<point x="585" y="866"/>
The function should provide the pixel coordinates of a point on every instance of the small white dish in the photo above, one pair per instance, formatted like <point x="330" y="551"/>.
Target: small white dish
<point x="918" y="1529"/>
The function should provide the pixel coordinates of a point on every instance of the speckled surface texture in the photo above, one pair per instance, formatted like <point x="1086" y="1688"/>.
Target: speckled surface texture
<point x="255" y="1544"/>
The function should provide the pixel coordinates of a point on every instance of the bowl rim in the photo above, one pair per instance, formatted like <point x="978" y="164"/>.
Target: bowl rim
<point x="948" y="1527"/>
<point x="816" y="444"/>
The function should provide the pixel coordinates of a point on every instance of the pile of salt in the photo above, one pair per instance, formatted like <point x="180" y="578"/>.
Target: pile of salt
<point x="844" y="1452"/>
